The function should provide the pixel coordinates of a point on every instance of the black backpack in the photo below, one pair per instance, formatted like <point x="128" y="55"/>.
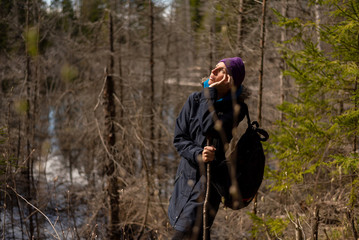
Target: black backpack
<point x="249" y="158"/>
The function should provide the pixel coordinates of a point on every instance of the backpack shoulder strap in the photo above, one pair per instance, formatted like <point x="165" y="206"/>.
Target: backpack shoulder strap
<point x="263" y="134"/>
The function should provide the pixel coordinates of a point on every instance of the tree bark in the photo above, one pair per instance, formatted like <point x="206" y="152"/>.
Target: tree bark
<point x="164" y="96"/>
<point x="189" y="35"/>
<point x="282" y="79"/>
<point x="260" y="88"/>
<point x="315" y="224"/>
<point x="212" y="44"/>
<point x="110" y="138"/>
<point x="28" y="121"/>
<point x="351" y="218"/>
<point x="239" y="28"/>
<point x="36" y="108"/>
<point x="120" y="81"/>
<point x="152" y="88"/>
<point x="261" y="67"/>
<point x="355" y="140"/>
<point x="317" y="22"/>
<point x="128" y="32"/>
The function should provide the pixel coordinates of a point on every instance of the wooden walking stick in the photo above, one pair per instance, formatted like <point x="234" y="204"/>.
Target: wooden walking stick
<point x="205" y="205"/>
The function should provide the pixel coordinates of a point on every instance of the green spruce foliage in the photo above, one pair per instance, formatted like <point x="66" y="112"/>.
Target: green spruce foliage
<point x="316" y="145"/>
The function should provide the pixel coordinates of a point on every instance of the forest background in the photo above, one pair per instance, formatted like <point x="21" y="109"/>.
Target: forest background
<point x="90" y="91"/>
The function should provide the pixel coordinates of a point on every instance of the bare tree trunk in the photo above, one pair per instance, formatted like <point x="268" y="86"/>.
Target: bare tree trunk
<point x="283" y="35"/>
<point x="212" y="43"/>
<point x="152" y="88"/>
<point x="28" y="122"/>
<point x="128" y="43"/>
<point x="120" y="81"/>
<point x="261" y="46"/>
<point x="110" y="137"/>
<point x="164" y="96"/>
<point x="260" y="89"/>
<point x="239" y="30"/>
<point x="355" y="141"/>
<point x="147" y="204"/>
<point x="4" y="157"/>
<point x="9" y="171"/>
<point x="351" y="213"/>
<point x="351" y="218"/>
<point x="315" y="224"/>
<point x="317" y="22"/>
<point x="18" y="150"/>
<point x="298" y="230"/>
<point x="178" y="62"/>
<point x="112" y="52"/>
<point x="189" y="35"/>
<point x="36" y="108"/>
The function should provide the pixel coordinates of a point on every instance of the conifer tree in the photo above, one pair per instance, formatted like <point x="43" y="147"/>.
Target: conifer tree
<point x="316" y="141"/>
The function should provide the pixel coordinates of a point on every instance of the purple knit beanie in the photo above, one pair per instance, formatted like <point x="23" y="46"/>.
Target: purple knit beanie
<point x="235" y="67"/>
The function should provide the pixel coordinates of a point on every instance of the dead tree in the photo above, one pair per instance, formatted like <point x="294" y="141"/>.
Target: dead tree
<point x="110" y="139"/>
<point x="28" y="122"/>
<point x="152" y="88"/>
<point x="316" y="222"/>
<point x="212" y="41"/>
<point x="261" y="67"/>
<point x="239" y="28"/>
<point x="260" y="89"/>
<point x="317" y="22"/>
<point x="282" y="63"/>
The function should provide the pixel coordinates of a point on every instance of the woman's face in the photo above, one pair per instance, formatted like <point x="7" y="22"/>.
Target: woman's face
<point x="218" y="73"/>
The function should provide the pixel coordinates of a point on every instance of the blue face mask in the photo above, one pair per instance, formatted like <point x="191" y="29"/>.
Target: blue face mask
<point x="228" y="96"/>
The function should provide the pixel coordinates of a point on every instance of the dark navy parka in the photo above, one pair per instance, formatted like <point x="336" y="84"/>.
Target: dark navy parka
<point x="194" y="123"/>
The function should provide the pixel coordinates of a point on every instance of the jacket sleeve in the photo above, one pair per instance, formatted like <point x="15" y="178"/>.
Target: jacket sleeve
<point x="195" y="112"/>
<point x="184" y="140"/>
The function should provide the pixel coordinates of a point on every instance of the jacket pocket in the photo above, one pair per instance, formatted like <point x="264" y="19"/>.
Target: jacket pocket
<point x="186" y="185"/>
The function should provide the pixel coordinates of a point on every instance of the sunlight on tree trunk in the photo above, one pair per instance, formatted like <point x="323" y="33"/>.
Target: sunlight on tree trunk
<point x="239" y="28"/>
<point x="260" y="87"/>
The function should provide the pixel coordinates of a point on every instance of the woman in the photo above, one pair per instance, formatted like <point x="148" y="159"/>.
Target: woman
<point x="194" y="125"/>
